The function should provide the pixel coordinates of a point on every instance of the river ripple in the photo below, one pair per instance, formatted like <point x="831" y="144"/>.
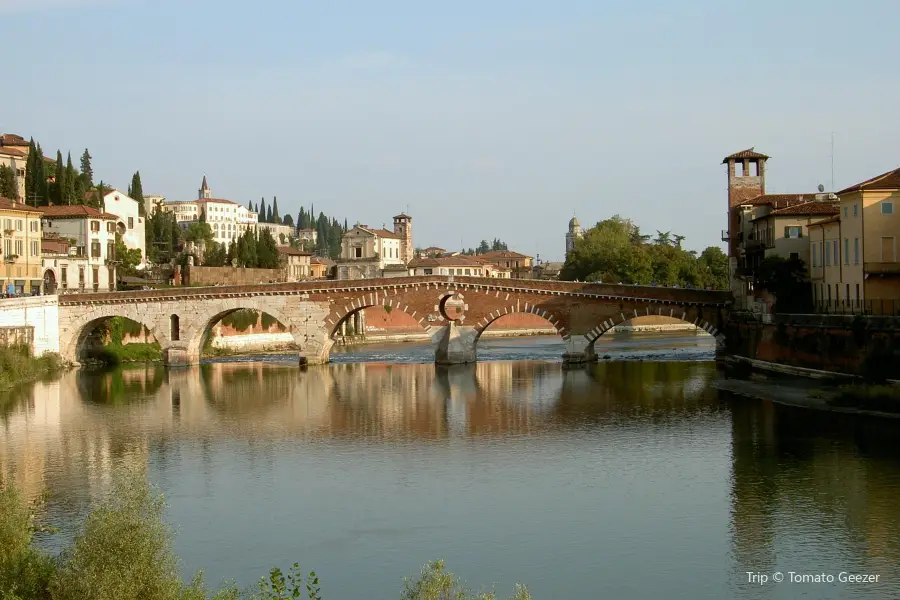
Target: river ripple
<point x="627" y="479"/>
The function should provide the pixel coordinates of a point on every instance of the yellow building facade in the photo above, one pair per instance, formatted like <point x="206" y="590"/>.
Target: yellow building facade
<point x="20" y="263"/>
<point x="857" y="259"/>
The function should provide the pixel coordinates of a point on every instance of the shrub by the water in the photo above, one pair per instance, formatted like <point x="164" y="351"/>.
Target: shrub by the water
<point x="18" y="365"/>
<point x="884" y="398"/>
<point x="123" y="551"/>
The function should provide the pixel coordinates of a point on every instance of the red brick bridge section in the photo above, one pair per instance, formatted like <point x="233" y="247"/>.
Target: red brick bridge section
<point x="455" y="310"/>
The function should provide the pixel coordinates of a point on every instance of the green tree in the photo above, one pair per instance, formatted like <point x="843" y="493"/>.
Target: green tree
<point x="8" y="187"/>
<point x="249" y="205"/>
<point x="288" y="220"/>
<point x="128" y="258"/>
<point x="136" y="191"/>
<point x="87" y="172"/>
<point x="275" y="217"/>
<point x="163" y="237"/>
<point x="262" y="211"/>
<point x="58" y="189"/>
<point x="199" y="232"/>
<point x="70" y="194"/>
<point x="266" y="251"/>
<point x="35" y="176"/>
<point x="715" y="263"/>
<point x="785" y="278"/>
<point x="483" y="247"/>
<point x="216" y="255"/>
<point x="232" y="253"/>
<point x="246" y="249"/>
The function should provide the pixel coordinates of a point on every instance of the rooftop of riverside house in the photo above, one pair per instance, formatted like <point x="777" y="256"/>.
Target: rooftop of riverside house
<point x="885" y="181"/>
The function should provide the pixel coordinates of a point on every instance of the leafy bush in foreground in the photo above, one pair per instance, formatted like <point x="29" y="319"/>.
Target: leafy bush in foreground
<point x="123" y="551"/>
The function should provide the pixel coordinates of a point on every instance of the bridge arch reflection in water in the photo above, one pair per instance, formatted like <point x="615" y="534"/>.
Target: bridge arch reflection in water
<point x="632" y="457"/>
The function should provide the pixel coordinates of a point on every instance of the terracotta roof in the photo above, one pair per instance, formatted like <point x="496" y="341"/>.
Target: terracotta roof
<point x="502" y="254"/>
<point x="885" y="181"/>
<point x="809" y="208"/>
<point x="806" y="209"/>
<point x="402" y="216"/>
<point x="834" y="219"/>
<point x="11" y="151"/>
<point x="11" y="139"/>
<point x="76" y="211"/>
<point x="433" y="249"/>
<point x="381" y="232"/>
<point x="784" y="200"/>
<point x="318" y="260"/>
<point x="293" y="251"/>
<point x="7" y="204"/>
<point x="748" y="153"/>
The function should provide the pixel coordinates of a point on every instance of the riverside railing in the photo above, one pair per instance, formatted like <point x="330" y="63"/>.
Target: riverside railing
<point x="889" y="307"/>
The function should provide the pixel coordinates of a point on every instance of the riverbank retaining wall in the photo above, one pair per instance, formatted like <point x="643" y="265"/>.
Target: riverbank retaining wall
<point x="40" y="313"/>
<point x="838" y="343"/>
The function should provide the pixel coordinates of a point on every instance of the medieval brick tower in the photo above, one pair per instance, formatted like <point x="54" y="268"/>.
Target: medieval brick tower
<point x="746" y="180"/>
<point x="403" y="230"/>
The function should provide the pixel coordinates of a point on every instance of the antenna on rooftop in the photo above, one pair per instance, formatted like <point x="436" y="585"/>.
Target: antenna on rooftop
<point x="832" y="161"/>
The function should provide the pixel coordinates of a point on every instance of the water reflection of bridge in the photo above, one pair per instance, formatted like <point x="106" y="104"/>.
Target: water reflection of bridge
<point x="788" y="471"/>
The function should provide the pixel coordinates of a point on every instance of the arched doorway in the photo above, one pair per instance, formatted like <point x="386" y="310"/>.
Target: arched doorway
<point x="49" y="282"/>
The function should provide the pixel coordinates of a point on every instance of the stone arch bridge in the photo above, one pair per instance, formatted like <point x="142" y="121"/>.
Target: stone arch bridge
<point x="454" y="310"/>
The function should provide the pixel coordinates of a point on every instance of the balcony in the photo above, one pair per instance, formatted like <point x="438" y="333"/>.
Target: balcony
<point x="882" y="268"/>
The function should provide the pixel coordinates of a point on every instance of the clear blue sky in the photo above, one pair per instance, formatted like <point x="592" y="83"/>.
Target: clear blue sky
<point x="488" y="119"/>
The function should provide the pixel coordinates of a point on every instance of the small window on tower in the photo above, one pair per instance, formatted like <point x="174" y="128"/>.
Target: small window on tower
<point x="738" y="169"/>
<point x="754" y="169"/>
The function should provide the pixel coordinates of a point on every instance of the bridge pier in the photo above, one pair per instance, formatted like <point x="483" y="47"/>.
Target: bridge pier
<point x="455" y="344"/>
<point x="315" y="354"/>
<point x="579" y="351"/>
<point x="179" y="356"/>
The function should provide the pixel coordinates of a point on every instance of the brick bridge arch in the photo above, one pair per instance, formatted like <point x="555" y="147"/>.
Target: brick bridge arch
<point x="313" y="311"/>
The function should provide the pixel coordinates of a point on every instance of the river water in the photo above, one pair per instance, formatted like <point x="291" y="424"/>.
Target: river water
<point x="632" y="478"/>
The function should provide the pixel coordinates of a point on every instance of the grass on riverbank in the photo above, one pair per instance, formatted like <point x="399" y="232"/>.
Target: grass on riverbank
<point x="17" y="365"/>
<point x="123" y="551"/>
<point x="116" y="354"/>
<point x="883" y="398"/>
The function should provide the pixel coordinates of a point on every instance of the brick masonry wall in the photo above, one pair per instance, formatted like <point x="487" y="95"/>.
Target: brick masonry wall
<point x="838" y="344"/>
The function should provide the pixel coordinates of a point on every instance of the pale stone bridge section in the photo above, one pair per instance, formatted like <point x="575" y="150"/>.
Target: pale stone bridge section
<point x="454" y="310"/>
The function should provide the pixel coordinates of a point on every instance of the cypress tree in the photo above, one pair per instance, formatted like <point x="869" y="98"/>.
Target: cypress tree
<point x="136" y="191"/>
<point x="71" y="175"/>
<point x="262" y="211"/>
<point x="8" y="187"/>
<point x="87" y="173"/>
<point x="249" y="205"/>
<point x="345" y="225"/>
<point x="269" y="214"/>
<point x="31" y="187"/>
<point x="275" y="216"/>
<point x="256" y="210"/>
<point x="40" y="177"/>
<point x="59" y="185"/>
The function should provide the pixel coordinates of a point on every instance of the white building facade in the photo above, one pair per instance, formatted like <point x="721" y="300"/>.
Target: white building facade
<point x="89" y="237"/>
<point x="367" y="252"/>
<point x="129" y="212"/>
<point x="228" y="220"/>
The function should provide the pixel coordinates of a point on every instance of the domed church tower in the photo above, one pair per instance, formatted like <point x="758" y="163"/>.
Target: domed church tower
<point x="574" y="234"/>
